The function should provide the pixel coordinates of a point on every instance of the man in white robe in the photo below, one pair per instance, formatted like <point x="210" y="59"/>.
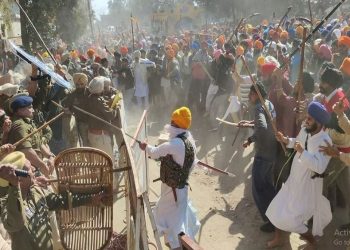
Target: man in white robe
<point x="174" y="213"/>
<point x="300" y="198"/>
<point x="139" y="68"/>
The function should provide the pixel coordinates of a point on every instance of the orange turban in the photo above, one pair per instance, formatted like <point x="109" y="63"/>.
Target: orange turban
<point x="344" y="40"/>
<point x="299" y="30"/>
<point x="239" y="51"/>
<point x="284" y="35"/>
<point x="182" y="117"/>
<point x="221" y="39"/>
<point x="123" y="50"/>
<point x="90" y="52"/>
<point x="170" y="53"/>
<point x="258" y="44"/>
<point x="345" y="67"/>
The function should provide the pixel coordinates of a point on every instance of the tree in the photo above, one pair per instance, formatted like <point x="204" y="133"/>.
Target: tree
<point x="72" y="20"/>
<point x="51" y="18"/>
<point x="6" y="13"/>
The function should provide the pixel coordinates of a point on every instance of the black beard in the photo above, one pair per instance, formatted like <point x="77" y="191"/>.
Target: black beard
<point x="312" y="129"/>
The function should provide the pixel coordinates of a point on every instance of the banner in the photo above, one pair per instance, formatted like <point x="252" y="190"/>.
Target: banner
<point x="42" y="66"/>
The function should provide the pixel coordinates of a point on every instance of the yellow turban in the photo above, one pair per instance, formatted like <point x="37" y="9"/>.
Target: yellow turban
<point x="261" y="60"/>
<point x="175" y="47"/>
<point x="17" y="159"/>
<point x="182" y="117"/>
<point x="73" y="54"/>
<point x="346" y="29"/>
<point x="345" y="67"/>
<point x="45" y="54"/>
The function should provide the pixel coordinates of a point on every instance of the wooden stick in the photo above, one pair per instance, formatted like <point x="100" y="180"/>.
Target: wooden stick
<point x="200" y="163"/>
<point x="262" y="100"/>
<point x="226" y="122"/>
<point x="98" y="118"/>
<point x="300" y="79"/>
<point x="38" y="129"/>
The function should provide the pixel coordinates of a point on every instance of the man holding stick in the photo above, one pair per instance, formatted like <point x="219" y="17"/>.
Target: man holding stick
<point x="174" y="213"/>
<point x="265" y="153"/>
<point x="23" y="125"/>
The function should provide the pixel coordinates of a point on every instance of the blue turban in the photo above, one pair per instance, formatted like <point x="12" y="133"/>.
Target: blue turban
<point x="291" y="32"/>
<point x="21" y="102"/>
<point x="195" y="45"/>
<point x="317" y="111"/>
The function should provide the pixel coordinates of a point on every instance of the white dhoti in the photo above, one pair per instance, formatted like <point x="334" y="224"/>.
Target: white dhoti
<point x="174" y="217"/>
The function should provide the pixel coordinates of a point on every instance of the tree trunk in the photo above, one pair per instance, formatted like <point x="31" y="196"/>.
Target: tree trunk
<point x="24" y="27"/>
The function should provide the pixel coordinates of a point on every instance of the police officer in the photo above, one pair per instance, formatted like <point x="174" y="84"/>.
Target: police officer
<point x="22" y="125"/>
<point x="25" y="208"/>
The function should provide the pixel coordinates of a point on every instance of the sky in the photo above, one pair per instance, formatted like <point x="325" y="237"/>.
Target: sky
<point x="100" y="7"/>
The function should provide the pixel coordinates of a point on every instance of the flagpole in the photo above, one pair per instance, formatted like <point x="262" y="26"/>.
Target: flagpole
<point x="132" y="32"/>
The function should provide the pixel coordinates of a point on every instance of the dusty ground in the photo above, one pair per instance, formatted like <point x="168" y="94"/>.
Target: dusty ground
<point x="224" y="204"/>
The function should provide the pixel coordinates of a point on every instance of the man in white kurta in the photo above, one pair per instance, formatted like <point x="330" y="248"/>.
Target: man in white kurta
<point x="300" y="198"/>
<point x="173" y="217"/>
<point x="141" y="84"/>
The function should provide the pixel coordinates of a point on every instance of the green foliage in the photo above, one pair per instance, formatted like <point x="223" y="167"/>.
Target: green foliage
<point x="72" y="19"/>
<point x="5" y="12"/>
<point x="64" y="18"/>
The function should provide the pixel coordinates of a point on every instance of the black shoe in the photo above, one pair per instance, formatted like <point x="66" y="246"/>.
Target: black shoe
<point x="267" y="228"/>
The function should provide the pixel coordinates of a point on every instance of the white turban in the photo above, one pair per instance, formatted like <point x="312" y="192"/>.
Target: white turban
<point x="137" y="54"/>
<point x="96" y="85"/>
<point x="9" y="89"/>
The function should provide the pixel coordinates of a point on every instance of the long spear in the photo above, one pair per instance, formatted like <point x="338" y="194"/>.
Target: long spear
<point x="314" y="31"/>
<point x="310" y="11"/>
<point x="36" y="31"/>
<point x="132" y="32"/>
<point x="269" y="116"/>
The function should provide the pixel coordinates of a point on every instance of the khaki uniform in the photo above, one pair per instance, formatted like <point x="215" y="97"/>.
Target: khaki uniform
<point x="28" y="220"/>
<point x="21" y="127"/>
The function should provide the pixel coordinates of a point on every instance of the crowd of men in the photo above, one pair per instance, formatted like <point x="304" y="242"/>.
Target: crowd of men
<point x="305" y="110"/>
